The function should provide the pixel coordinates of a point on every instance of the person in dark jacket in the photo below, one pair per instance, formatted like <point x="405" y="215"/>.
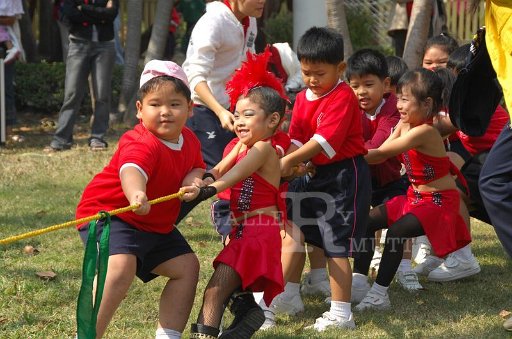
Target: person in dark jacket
<point x="91" y="52"/>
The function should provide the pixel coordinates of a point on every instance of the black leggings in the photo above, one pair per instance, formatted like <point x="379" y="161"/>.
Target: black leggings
<point x="404" y="228"/>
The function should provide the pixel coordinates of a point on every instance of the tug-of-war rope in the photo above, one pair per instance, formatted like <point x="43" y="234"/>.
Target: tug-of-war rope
<point x="95" y="263"/>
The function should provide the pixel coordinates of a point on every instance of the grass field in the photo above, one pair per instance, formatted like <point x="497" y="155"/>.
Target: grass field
<point x="38" y="190"/>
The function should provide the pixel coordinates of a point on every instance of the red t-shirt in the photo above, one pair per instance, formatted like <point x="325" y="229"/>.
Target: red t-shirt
<point x="476" y="145"/>
<point x="333" y="120"/>
<point x="376" y="129"/>
<point x="165" y="168"/>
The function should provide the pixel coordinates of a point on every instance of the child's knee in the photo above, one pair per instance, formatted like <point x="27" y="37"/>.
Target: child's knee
<point x="192" y="266"/>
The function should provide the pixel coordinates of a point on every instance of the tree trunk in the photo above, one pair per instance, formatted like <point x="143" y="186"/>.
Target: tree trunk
<point x="49" y="40"/>
<point x="417" y="33"/>
<point x="27" y="36"/>
<point x="337" y="20"/>
<point x="131" y="62"/>
<point x="156" y="47"/>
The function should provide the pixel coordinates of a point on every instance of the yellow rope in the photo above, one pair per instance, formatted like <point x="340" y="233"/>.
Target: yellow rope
<point x="86" y="219"/>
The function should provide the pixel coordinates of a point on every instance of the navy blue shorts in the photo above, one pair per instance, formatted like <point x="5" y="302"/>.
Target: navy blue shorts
<point x="206" y="126"/>
<point x="332" y="207"/>
<point x="381" y="194"/>
<point x="151" y="249"/>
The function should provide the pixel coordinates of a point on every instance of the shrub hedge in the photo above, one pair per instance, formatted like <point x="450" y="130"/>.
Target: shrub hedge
<point x="40" y="87"/>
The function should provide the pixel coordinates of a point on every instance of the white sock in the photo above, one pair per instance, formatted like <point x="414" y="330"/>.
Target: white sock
<point x="167" y="333"/>
<point x="258" y="297"/>
<point x="359" y="279"/>
<point x="464" y="253"/>
<point x="383" y="233"/>
<point x="292" y="289"/>
<point x="317" y="275"/>
<point x="405" y="265"/>
<point x="381" y="290"/>
<point x="340" y="309"/>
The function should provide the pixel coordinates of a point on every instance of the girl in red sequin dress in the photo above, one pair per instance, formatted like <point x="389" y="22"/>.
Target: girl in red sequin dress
<point x="251" y="261"/>
<point x="431" y="206"/>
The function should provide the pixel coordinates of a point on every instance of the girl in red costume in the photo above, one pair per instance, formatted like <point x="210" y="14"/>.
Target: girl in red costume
<point x="251" y="261"/>
<point x="431" y="206"/>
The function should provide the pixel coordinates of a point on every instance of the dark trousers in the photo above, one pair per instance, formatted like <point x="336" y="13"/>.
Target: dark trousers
<point x="496" y="187"/>
<point x="206" y="126"/>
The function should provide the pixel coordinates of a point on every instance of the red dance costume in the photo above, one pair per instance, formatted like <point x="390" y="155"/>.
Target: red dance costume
<point x="254" y="249"/>
<point x="438" y="212"/>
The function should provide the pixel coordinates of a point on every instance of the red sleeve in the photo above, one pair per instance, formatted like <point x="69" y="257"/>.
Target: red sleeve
<point x="138" y="153"/>
<point x="338" y="117"/>
<point x="384" y="127"/>
<point x="297" y="123"/>
<point x="282" y="141"/>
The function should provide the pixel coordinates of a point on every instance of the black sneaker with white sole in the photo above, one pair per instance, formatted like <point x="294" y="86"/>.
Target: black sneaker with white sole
<point x="248" y="317"/>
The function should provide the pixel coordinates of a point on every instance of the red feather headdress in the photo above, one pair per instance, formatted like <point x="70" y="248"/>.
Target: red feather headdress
<point x="253" y="73"/>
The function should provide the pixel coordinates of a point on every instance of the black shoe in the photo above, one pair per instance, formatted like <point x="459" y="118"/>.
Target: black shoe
<point x="248" y="317"/>
<point x="200" y="331"/>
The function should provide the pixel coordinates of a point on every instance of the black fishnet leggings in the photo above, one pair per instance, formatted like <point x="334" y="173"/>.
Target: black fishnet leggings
<point x="221" y="286"/>
<point x="404" y="228"/>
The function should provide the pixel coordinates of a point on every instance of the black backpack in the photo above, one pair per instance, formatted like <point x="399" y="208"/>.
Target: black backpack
<point x="476" y="92"/>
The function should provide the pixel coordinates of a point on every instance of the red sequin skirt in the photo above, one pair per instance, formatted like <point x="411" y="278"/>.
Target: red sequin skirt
<point x="438" y="213"/>
<point x="254" y="252"/>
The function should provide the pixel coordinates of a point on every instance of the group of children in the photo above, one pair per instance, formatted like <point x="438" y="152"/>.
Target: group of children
<point x="350" y="134"/>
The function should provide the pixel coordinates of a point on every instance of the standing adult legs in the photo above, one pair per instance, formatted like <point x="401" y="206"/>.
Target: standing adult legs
<point x="77" y="69"/>
<point x="496" y="187"/>
<point x="103" y="61"/>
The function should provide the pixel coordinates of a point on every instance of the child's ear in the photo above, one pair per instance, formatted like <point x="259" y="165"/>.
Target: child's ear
<point x="138" y="104"/>
<point x="387" y="84"/>
<point x="429" y="105"/>
<point x="190" y="108"/>
<point x="275" y="119"/>
<point x="341" y="68"/>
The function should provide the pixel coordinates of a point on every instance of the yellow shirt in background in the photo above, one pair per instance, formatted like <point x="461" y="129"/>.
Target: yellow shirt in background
<point x="498" y="23"/>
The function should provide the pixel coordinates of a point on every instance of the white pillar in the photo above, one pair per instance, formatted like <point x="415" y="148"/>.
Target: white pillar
<point x="306" y="14"/>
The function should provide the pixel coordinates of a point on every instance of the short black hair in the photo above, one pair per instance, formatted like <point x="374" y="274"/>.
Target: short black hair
<point x="269" y="100"/>
<point x="442" y="41"/>
<point x="448" y="79"/>
<point x="423" y="84"/>
<point x="458" y="58"/>
<point x="396" y="68"/>
<point x="155" y="83"/>
<point x="321" y="44"/>
<point x="367" y="61"/>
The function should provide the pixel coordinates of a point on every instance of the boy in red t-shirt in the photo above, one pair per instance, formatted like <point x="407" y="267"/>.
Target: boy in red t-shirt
<point x="332" y="212"/>
<point x="368" y="75"/>
<point x="154" y="159"/>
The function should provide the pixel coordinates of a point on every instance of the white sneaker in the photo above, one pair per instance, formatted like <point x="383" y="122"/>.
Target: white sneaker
<point x="359" y="292"/>
<point x="422" y="249"/>
<point x="374" y="301"/>
<point x="11" y="54"/>
<point x="270" y="320"/>
<point x="408" y="280"/>
<point x="454" y="268"/>
<point x="321" y="287"/>
<point x="270" y="317"/>
<point x="328" y="320"/>
<point x="428" y="265"/>
<point x="283" y="303"/>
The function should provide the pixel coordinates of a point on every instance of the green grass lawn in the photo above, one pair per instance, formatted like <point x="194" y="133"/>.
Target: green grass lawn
<point x="38" y="190"/>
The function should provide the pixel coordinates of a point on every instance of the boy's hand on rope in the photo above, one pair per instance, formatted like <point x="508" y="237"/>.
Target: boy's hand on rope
<point x="140" y="198"/>
<point x="191" y="192"/>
